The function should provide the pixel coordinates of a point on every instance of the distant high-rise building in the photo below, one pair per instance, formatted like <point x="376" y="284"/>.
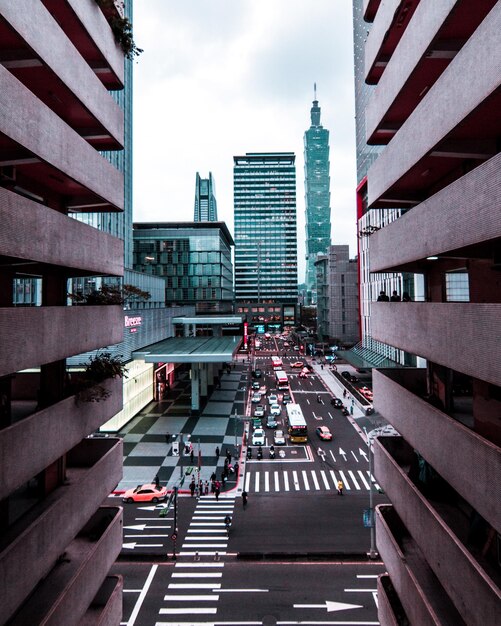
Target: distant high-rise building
<point x="205" y="199"/>
<point x="266" y="233"/>
<point x="317" y="195"/>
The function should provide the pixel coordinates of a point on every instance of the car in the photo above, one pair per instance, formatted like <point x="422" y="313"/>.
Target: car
<point x="258" y="437"/>
<point x="286" y="344"/>
<point x="324" y="433"/>
<point x="279" y="438"/>
<point x="145" y="493"/>
<point x="272" y="398"/>
<point x="287" y="398"/>
<point x="345" y="374"/>
<point x="256" y="386"/>
<point x="257" y="423"/>
<point x="297" y="364"/>
<point x="275" y="409"/>
<point x="259" y="410"/>
<point x="337" y="403"/>
<point x="353" y="379"/>
<point x="271" y="422"/>
<point x="256" y="397"/>
<point x="257" y="373"/>
<point x="304" y="373"/>
<point x="366" y="392"/>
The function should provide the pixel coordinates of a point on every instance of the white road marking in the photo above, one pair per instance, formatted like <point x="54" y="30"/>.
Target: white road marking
<point x="286" y="481"/>
<point x="333" y="476"/>
<point x="373" y="480"/>
<point x="324" y="478"/>
<point x="267" y="481"/>
<point x="355" y="456"/>
<point x="190" y="598"/>
<point x="305" y="480"/>
<point x="204" y="553"/>
<point x="182" y="611"/>
<point x="205" y="545"/>
<point x="345" y="481"/>
<point x="362" y="478"/>
<point x="352" y="475"/>
<point x="194" y="586"/>
<point x="315" y="480"/>
<point x="277" y="481"/>
<point x="367" y="575"/>
<point x="142" y="596"/>
<point x="256" y="483"/>
<point x="183" y="565"/>
<point x="207" y="530"/>
<point x="329" y="415"/>
<point x="198" y="538"/>
<point x="197" y="574"/>
<point x="332" y="455"/>
<point x="296" y="482"/>
<point x="247" y="482"/>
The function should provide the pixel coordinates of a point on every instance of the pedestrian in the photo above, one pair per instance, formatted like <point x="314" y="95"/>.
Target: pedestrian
<point x="406" y="297"/>
<point x="228" y="455"/>
<point x="206" y="488"/>
<point x="344" y="393"/>
<point x="213" y="486"/>
<point x="235" y="469"/>
<point x="351" y="409"/>
<point x="322" y="365"/>
<point x="191" y="456"/>
<point x="395" y="297"/>
<point x="192" y="487"/>
<point x="217" y="491"/>
<point x="217" y="451"/>
<point x="156" y="480"/>
<point x="244" y="499"/>
<point x="213" y="477"/>
<point x="167" y="437"/>
<point x="340" y="487"/>
<point x="383" y="297"/>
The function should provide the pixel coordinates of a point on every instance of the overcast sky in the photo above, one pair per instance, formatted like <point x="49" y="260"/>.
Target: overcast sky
<point x="219" y="78"/>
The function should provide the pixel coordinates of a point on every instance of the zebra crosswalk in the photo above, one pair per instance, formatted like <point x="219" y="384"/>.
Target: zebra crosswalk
<point x="308" y="480"/>
<point x="207" y="535"/>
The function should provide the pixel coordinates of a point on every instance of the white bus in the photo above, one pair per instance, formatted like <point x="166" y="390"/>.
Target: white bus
<point x="276" y="362"/>
<point x="296" y="424"/>
<point x="281" y="379"/>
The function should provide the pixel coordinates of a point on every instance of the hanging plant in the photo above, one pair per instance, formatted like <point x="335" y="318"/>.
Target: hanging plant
<point x="121" y="27"/>
<point x="99" y="368"/>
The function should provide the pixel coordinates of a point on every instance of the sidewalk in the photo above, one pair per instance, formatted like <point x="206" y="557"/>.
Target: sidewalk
<point x="147" y="453"/>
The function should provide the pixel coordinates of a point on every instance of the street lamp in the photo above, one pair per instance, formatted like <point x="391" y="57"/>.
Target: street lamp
<point x="372" y="554"/>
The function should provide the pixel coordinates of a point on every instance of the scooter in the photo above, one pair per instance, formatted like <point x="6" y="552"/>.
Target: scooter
<point x="345" y="411"/>
<point x="272" y="452"/>
<point x="259" y="453"/>
<point x="249" y="452"/>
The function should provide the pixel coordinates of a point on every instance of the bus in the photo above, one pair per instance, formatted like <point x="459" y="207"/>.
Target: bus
<point x="281" y="380"/>
<point x="296" y="424"/>
<point x="276" y="362"/>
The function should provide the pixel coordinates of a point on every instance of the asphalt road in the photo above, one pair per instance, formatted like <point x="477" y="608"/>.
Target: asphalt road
<point x="250" y="593"/>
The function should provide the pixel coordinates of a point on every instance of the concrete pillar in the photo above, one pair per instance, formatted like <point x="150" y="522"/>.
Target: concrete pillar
<point x="195" y="388"/>
<point x="203" y="379"/>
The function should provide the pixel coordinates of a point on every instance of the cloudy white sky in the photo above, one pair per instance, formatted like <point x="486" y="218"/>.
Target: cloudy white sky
<point x="219" y="78"/>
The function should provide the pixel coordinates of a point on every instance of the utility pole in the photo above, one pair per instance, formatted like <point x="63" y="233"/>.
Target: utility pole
<point x="372" y="554"/>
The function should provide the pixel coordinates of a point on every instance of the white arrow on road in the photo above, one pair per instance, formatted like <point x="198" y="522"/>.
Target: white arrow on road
<point x="363" y="453"/>
<point x="342" y="453"/>
<point x="329" y="605"/>
<point x="150" y="508"/>
<point x="321" y="453"/>
<point x="132" y="545"/>
<point x="143" y="526"/>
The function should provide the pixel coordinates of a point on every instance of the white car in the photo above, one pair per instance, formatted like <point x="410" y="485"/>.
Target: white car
<point x="259" y="410"/>
<point x="256" y="397"/>
<point x="275" y="409"/>
<point x="272" y="399"/>
<point x="258" y="437"/>
<point x="279" y="438"/>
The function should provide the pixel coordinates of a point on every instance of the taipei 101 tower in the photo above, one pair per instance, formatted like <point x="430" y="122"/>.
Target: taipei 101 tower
<point x="317" y="195"/>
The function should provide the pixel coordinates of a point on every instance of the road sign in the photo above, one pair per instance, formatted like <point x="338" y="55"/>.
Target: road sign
<point x="368" y="518"/>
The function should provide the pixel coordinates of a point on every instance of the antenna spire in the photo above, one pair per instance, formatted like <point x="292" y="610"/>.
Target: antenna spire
<point x="314" y="91"/>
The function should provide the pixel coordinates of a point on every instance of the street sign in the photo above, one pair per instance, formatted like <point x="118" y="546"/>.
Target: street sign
<point x="368" y="518"/>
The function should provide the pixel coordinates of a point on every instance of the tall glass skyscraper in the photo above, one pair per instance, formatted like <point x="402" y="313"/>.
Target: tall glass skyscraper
<point x="205" y="200"/>
<point x="317" y="196"/>
<point x="265" y="227"/>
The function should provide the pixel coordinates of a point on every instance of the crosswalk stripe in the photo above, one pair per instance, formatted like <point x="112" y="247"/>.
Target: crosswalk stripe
<point x="333" y="476"/>
<point x="324" y="478"/>
<point x="267" y="481"/>
<point x="197" y="574"/>
<point x="296" y="482"/>
<point x="256" y="486"/>
<point x="277" y="482"/>
<point x="363" y="479"/>
<point x="345" y="481"/>
<point x="286" y="481"/>
<point x="373" y="480"/>
<point x="305" y="479"/>
<point x="191" y="598"/>
<point x="194" y="586"/>
<point x="315" y="480"/>
<point x="247" y="481"/>
<point x="354" y="479"/>
<point x="182" y="611"/>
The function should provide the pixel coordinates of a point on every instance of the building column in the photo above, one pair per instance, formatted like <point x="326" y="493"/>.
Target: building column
<point x="203" y="379"/>
<point x="195" y="388"/>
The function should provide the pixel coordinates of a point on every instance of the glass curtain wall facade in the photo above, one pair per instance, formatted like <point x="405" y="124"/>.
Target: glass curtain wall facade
<point x="194" y="260"/>
<point x="205" y="199"/>
<point x="317" y="197"/>
<point x="265" y="227"/>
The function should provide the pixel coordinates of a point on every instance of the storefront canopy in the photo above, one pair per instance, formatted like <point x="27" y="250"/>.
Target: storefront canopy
<point x="190" y="349"/>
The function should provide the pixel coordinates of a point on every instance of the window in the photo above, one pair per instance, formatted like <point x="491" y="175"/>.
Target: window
<point x="457" y="287"/>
